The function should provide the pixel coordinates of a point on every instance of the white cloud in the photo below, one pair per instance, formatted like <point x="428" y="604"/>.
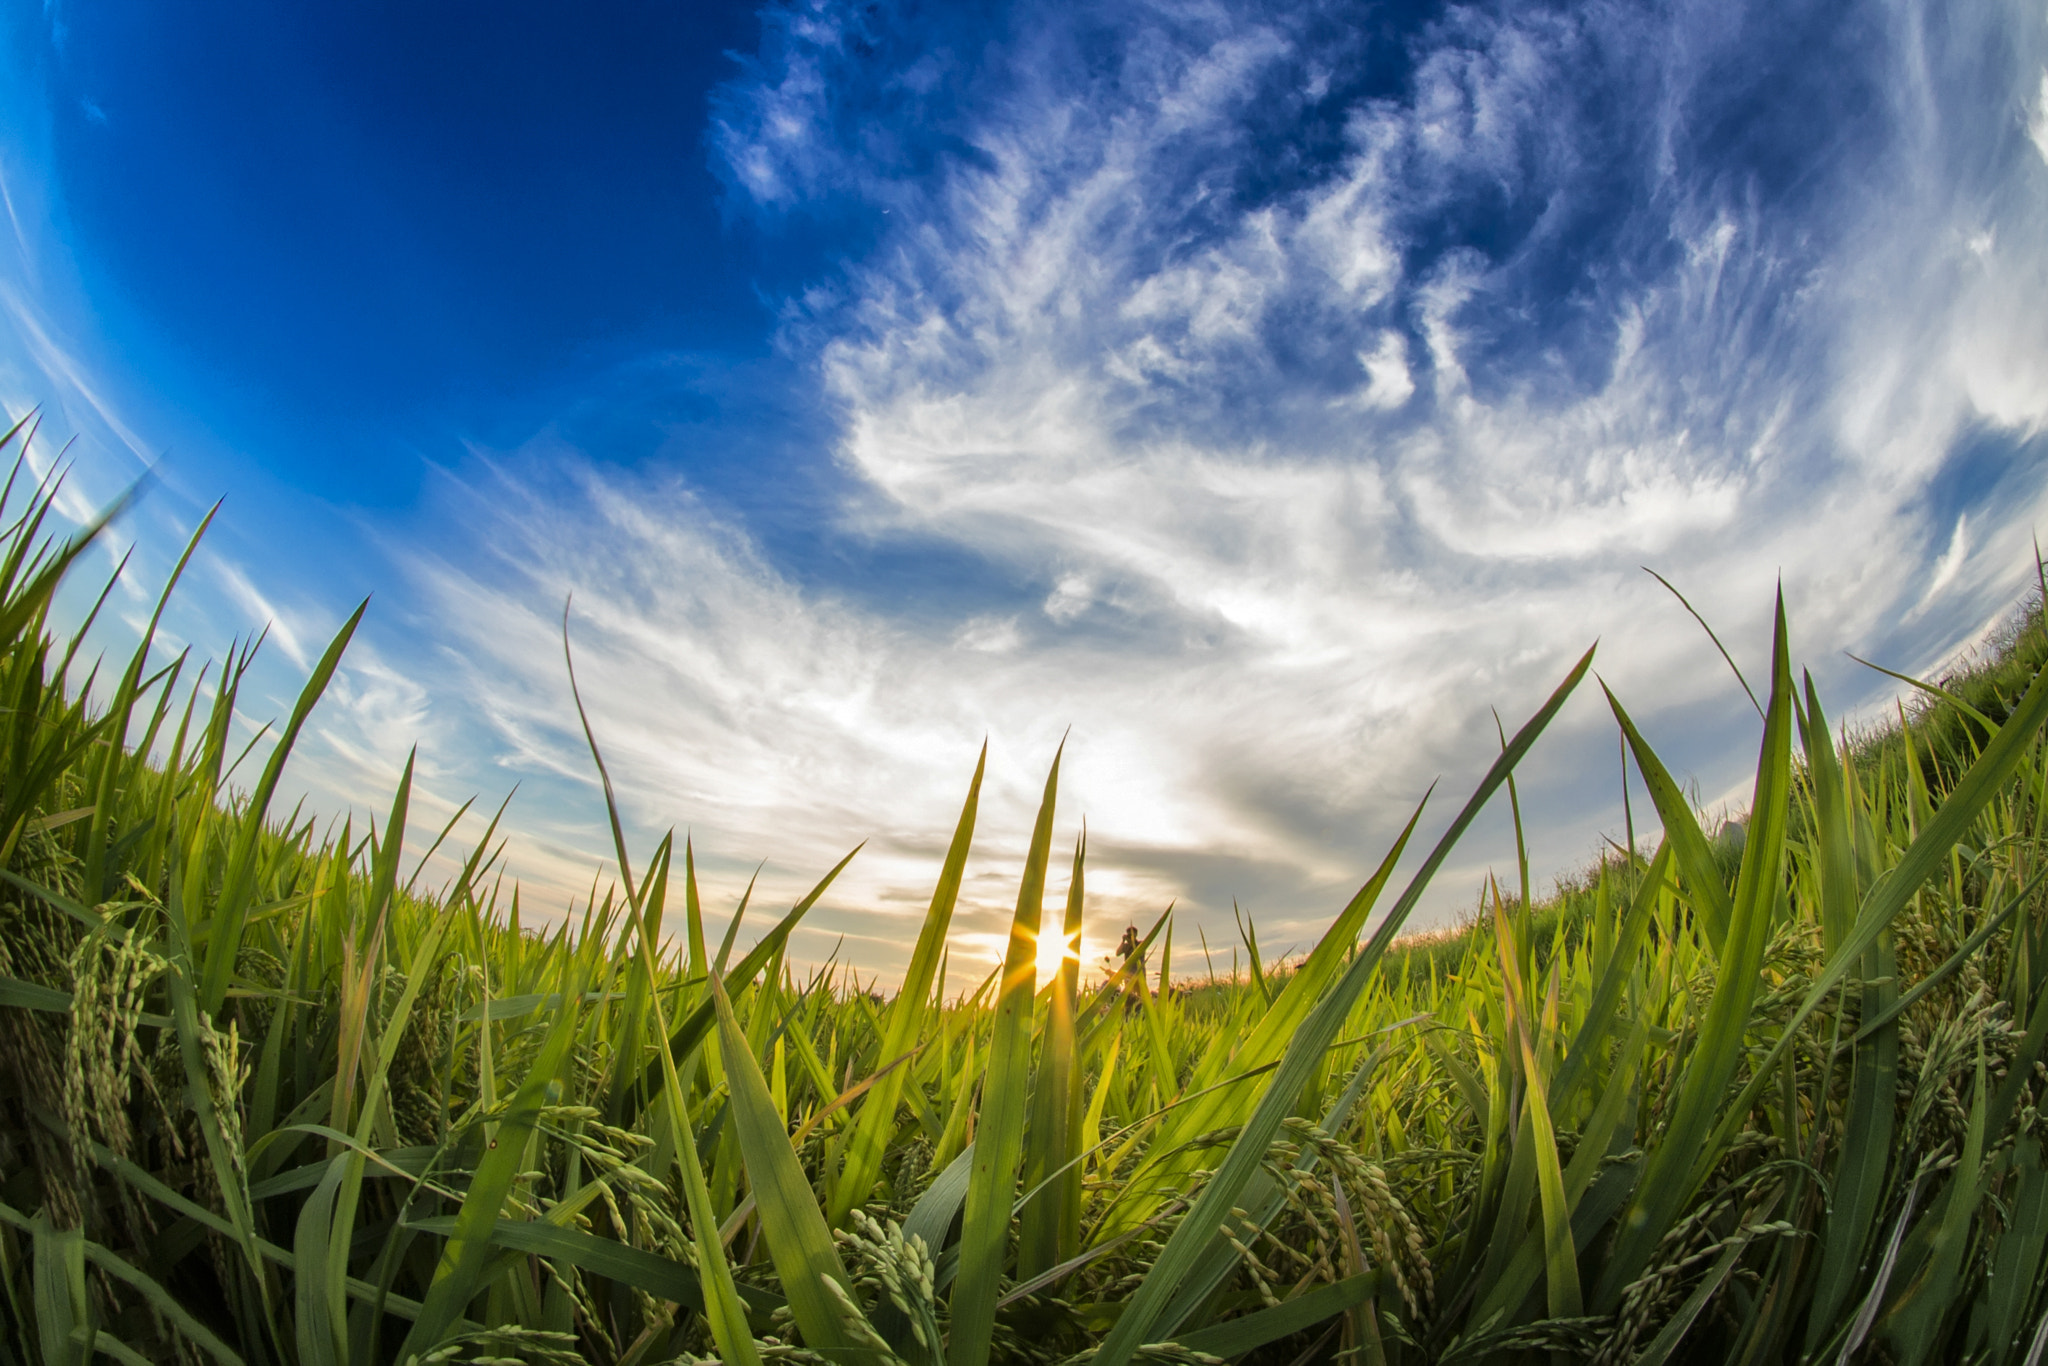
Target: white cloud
<point x="1946" y="567"/>
<point x="1070" y="597"/>
<point x="1304" y="580"/>
<point x="990" y="635"/>
<point x="2037" y="122"/>
<point x="22" y="246"/>
<point x="72" y="384"/>
<point x="263" y="615"/>
<point x="1388" y="382"/>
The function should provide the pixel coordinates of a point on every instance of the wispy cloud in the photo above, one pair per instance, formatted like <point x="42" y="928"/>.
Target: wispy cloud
<point x="2037" y="120"/>
<point x="273" y="624"/>
<point x="57" y="371"/>
<point x="1318" y="413"/>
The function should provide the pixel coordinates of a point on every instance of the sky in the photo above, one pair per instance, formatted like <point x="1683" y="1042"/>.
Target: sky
<point x="1255" y="398"/>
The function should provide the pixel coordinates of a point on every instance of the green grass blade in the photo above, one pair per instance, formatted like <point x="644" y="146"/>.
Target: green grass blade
<point x="1303" y="1056"/>
<point x="934" y="1211"/>
<point x="1051" y="1230"/>
<point x="1726" y="657"/>
<point x="875" y="1123"/>
<point x="697" y="1025"/>
<point x="1263" y="1199"/>
<point x="1666" y="1342"/>
<point x="1605" y="1007"/>
<point x="1268" y="1039"/>
<point x="1239" y="1336"/>
<point x="1933" y="690"/>
<point x="94" y="875"/>
<point x="59" y="1290"/>
<point x="326" y="1227"/>
<point x="1694" y="856"/>
<point x="999" y="1133"/>
<point x="2016" y="1263"/>
<point x="1560" y="1256"/>
<point x="1917" y="1319"/>
<point x="63" y="1304"/>
<point x="223" y="939"/>
<point x="162" y="1302"/>
<point x="321" y="1326"/>
<point x="723" y="1309"/>
<point x="229" y="1172"/>
<point x="469" y="1248"/>
<point x="34" y="996"/>
<point x="1599" y="1137"/>
<point x="1304" y="987"/>
<point x="1470" y="1088"/>
<point x="1894" y="889"/>
<point x="1965" y="951"/>
<point x="1685" y="1147"/>
<point x="1833" y="846"/>
<point x="661" y="1277"/>
<point x="799" y="1239"/>
<point x="100" y="1340"/>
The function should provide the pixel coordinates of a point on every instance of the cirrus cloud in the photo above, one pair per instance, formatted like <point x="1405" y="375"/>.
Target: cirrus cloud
<point x="1312" y="384"/>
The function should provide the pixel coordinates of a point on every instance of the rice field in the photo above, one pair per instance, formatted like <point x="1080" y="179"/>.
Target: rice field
<point x="1760" y="1093"/>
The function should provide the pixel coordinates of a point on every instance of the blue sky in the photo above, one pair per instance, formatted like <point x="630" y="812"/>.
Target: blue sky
<point x="1265" y="392"/>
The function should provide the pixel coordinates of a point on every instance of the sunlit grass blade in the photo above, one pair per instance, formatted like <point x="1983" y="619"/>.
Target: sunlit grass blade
<point x="1005" y="1091"/>
<point x="114" y="758"/>
<point x="1051" y="1224"/>
<point x="1889" y="894"/>
<point x="1603" y="1012"/>
<point x="875" y="1123"/>
<point x="1268" y="1039"/>
<point x="1184" y="1248"/>
<point x="1833" y="845"/>
<point x="1263" y="1200"/>
<point x="723" y="1310"/>
<point x="326" y="1230"/>
<point x="703" y="1018"/>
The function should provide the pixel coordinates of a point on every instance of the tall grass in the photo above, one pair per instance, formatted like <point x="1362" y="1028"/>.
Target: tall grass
<point x="263" y="1099"/>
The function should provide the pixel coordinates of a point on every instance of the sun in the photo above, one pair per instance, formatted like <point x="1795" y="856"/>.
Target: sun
<point x="1049" y="956"/>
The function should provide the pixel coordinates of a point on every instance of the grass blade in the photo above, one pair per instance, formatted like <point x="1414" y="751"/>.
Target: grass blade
<point x="798" y="1237"/>
<point x="875" y="1124"/>
<point x="1304" y="1053"/>
<point x="1685" y="1148"/>
<point x="999" y="1135"/>
<point x="1052" y="1219"/>
<point x="223" y="939"/>
<point x="469" y="1247"/>
<point x="1694" y="856"/>
<point x="1241" y="1335"/>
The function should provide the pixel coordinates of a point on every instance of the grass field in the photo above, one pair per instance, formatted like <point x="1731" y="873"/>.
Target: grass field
<point x="1759" y="1094"/>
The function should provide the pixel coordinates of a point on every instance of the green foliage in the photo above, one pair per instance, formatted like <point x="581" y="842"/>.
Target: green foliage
<point x="1763" y="1093"/>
